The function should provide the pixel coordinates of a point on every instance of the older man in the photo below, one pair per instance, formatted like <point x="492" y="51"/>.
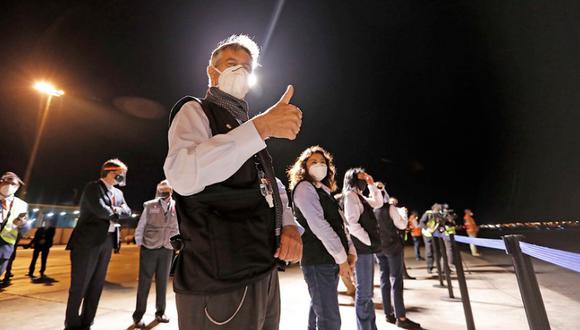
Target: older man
<point x="92" y="242"/>
<point x="158" y="223"/>
<point x="234" y="218"/>
<point x="12" y="219"/>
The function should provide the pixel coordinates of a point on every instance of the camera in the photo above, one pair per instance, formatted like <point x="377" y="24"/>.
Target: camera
<point x="445" y="217"/>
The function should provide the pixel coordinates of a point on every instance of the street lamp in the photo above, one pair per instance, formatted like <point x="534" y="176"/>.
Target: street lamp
<point x="51" y="91"/>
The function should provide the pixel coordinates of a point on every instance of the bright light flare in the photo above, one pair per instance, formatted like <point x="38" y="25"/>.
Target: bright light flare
<point x="252" y="80"/>
<point x="47" y="88"/>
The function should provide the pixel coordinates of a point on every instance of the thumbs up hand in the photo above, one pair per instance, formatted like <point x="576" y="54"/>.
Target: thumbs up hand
<point x="282" y="120"/>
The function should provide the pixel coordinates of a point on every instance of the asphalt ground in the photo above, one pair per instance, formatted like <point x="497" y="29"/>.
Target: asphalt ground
<point x="493" y="290"/>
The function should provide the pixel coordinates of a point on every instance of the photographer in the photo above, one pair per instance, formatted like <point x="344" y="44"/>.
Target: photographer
<point x="92" y="242"/>
<point x="12" y="218"/>
<point x="428" y="225"/>
<point x="439" y="218"/>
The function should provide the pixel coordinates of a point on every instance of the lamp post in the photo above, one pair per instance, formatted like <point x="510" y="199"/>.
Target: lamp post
<point x="50" y="91"/>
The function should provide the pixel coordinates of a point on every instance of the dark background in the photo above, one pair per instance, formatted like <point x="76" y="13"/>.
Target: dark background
<point x="474" y="103"/>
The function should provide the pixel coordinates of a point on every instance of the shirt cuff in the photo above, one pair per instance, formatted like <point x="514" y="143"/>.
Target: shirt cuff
<point x="340" y="258"/>
<point x="247" y="138"/>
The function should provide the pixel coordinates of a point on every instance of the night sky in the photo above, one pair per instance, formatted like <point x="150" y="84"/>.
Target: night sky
<point x="474" y="103"/>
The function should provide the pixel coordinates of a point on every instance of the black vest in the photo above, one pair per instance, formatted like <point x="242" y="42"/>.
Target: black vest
<point x="368" y="221"/>
<point x="390" y="239"/>
<point x="228" y="230"/>
<point x="314" y="252"/>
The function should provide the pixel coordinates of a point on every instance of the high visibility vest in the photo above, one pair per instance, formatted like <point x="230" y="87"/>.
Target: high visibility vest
<point x="450" y="230"/>
<point x="10" y="230"/>
<point x="430" y="227"/>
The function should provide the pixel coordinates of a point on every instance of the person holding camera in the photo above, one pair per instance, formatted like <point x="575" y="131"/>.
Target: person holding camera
<point x="364" y="231"/>
<point x="158" y="223"/>
<point x="13" y="218"/>
<point x="92" y="242"/>
<point x="428" y="225"/>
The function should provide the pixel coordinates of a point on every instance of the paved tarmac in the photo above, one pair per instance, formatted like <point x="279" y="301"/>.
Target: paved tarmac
<point x="493" y="290"/>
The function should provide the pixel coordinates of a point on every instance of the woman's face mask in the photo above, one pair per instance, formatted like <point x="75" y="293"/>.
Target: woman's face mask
<point x="318" y="172"/>
<point x="234" y="81"/>
<point x="361" y="185"/>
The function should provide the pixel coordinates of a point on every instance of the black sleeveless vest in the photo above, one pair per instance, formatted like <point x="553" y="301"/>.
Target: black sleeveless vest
<point x="228" y="230"/>
<point x="368" y="221"/>
<point x="390" y="239"/>
<point x="314" y="252"/>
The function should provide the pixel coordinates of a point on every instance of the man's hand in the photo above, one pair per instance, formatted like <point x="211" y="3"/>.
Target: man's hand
<point x="282" y="120"/>
<point x="290" y="245"/>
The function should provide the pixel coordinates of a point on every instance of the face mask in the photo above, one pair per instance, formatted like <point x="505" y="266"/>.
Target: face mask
<point x="361" y="185"/>
<point x="121" y="180"/>
<point x="318" y="172"/>
<point x="234" y="81"/>
<point x="164" y="194"/>
<point x="8" y="190"/>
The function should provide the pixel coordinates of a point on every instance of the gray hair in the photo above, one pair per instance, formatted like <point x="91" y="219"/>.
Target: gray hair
<point x="236" y="41"/>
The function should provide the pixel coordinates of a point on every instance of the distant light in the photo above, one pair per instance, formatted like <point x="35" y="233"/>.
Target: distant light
<point x="62" y="213"/>
<point x="35" y="210"/>
<point x="47" y="88"/>
<point x="252" y="80"/>
<point x="50" y="214"/>
<point x="134" y="215"/>
<point x="76" y="212"/>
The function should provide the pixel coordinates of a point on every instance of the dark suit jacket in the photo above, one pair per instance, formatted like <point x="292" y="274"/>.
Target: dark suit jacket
<point x="43" y="237"/>
<point x="96" y="212"/>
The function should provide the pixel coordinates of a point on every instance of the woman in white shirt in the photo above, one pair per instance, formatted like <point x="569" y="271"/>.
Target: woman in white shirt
<point x="364" y="232"/>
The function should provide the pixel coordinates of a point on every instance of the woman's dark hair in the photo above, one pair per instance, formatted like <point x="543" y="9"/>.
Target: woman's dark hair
<point x="298" y="171"/>
<point x="351" y="179"/>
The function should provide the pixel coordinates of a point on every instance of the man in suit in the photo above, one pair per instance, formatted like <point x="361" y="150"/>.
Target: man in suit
<point x="13" y="219"/>
<point x="42" y="242"/>
<point x="92" y="242"/>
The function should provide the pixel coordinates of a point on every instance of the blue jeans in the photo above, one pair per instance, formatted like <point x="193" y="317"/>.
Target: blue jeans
<point x="363" y="301"/>
<point x="391" y="268"/>
<point x="417" y="246"/>
<point x="322" y="281"/>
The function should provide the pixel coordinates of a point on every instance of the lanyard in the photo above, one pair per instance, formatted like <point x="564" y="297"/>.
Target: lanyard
<point x="164" y="210"/>
<point x="9" y="211"/>
<point x="5" y="221"/>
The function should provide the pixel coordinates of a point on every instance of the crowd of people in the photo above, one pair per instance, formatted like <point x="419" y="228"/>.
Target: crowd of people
<point x="224" y="225"/>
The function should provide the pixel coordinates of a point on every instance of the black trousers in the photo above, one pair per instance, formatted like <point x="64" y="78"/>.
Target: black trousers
<point x="158" y="262"/>
<point x="258" y="303"/>
<point x="43" y="250"/>
<point x="88" y="272"/>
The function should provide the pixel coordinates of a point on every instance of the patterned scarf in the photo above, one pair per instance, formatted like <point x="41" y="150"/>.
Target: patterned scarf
<point x="236" y="107"/>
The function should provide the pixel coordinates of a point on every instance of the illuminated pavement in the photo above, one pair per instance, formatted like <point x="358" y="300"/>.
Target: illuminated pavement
<point x="492" y="287"/>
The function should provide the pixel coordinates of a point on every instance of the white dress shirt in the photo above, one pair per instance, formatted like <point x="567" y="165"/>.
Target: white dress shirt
<point x="353" y="208"/>
<point x="307" y="200"/>
<point x="196" y="159"/>
<point x="110" y="194"/>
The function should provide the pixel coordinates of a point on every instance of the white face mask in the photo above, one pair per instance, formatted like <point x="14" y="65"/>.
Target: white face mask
<point x="8" y="190"/>
<point x="234" y="81"/>
<point x="318" y="172"/>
